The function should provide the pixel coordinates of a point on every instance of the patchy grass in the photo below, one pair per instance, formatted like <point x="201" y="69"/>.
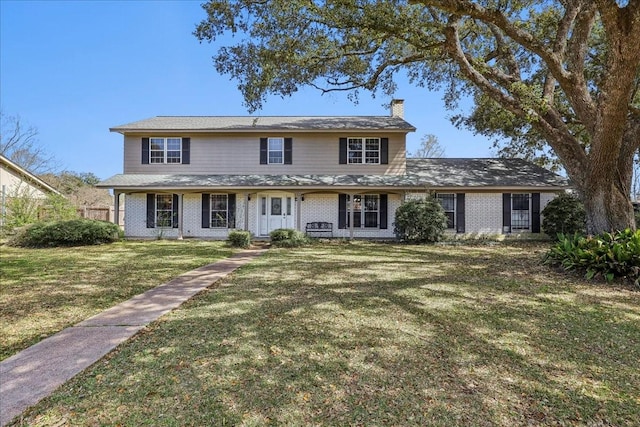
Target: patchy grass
<point x="375" y="334"/>
<point x="46" y="290"/>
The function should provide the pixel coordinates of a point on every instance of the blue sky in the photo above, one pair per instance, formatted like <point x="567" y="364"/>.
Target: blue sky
<point x="73" y="69"/>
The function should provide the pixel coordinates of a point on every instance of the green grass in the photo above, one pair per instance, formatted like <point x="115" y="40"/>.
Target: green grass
<point x="46" y="290"/>
<point x="375" y="335"/>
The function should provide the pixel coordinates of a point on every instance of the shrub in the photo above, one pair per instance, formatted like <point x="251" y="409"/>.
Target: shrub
<point x="239" y="239"/>
<point x="75" y="232"/>
<point x="420" y="221"/>
<point x="563" y="215"/>
<point x="288" y="238"/>
<point x="608" y="255"/>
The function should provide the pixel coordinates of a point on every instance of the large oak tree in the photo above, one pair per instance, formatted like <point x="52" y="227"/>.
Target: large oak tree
<point x="565" y="72"/>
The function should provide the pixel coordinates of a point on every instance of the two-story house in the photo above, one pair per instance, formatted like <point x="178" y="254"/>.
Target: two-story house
<point x="203" y="176"/>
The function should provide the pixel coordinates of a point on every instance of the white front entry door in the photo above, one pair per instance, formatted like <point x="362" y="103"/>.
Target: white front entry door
<point x="276" y="210"/>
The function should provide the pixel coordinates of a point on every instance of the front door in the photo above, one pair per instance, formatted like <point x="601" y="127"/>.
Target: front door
<point x="276" y="211"/>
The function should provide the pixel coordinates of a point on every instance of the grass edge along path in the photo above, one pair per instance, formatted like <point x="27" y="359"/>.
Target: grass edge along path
<point x="46" y="290"/>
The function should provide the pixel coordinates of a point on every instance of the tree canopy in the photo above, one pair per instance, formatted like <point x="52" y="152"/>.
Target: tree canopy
<point x="557" y="78"/>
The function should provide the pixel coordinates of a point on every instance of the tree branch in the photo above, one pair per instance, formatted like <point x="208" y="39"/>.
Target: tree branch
<point x="549" y="122"/>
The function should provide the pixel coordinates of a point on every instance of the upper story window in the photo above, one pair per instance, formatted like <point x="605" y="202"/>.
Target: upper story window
<point x="520" y="212"/>
<point x="276" y="150"/>
<point x="165" y="150"/>
<point x="363" y="150"/>
<point x="448" y="202"/>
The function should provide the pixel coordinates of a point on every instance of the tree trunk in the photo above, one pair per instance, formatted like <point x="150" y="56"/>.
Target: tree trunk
<point x="607" y="207"/>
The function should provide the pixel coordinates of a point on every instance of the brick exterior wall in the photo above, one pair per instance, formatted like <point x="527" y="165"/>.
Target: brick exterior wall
<point x="483" y="211"/>
<point x="483" y="215"/>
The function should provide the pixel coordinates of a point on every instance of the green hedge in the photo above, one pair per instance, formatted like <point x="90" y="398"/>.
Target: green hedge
<point x="75" y="232"/>
<point x="239" y="239"/>
<point x="608" y="255"/>
<point x="288" y="238"/>
<point x="420" y="221"/>
<point x="564" y="214"/>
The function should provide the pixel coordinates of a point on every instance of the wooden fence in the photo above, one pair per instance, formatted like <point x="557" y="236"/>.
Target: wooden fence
<point x="105" y="213"/>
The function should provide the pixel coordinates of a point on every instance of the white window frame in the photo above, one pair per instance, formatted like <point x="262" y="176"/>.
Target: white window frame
<point x="364" y="154"/>
<point x="363" y="204"/>
<point x="165" y="150"/>
<point x="280" y="150"/>
<point x="215" y="215"/>
<point x="519" y="212"/>
<point x="164" y="214"/>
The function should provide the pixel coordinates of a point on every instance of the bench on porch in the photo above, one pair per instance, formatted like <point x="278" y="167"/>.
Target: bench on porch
<point x="319" y="227"/>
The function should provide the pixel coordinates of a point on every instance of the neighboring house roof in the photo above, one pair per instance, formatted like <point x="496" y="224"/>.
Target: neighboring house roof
<point x="193" y="124"/>
<point x="27" y="176"/>
<point x="421" y="174"/>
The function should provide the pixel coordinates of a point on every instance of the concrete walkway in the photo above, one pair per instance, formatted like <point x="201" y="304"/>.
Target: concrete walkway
<point x="36" y="372"/>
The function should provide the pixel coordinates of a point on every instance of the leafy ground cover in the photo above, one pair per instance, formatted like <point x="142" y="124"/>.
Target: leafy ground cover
<point x="376" y="335"/>
<point x="46" y="290"/>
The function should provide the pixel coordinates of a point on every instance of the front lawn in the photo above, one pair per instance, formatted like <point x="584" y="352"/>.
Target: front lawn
<point x="46" y="290"/>
<point x="375" y="335"/>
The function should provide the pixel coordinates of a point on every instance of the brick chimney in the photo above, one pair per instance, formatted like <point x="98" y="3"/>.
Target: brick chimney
<point x="397" y="108"/>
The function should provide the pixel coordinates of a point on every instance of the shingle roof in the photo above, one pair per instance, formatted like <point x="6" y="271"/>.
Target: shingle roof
<point x="461" y="172"/>
<point x="421" y="174"/>
<point x="249" y="124"/>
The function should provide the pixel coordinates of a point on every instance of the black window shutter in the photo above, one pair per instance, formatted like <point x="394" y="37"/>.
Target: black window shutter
<point x="174" y="207"/>
<point x="506" y="212"/>
<point x="383" y="211"/>
<point x="343" y="151"/>
<point x="342" y="211"/>
<point x="384" y="151"/>
<point x="460" y="225"/>
<point x="231" y="206"/>
<point x="288" y="151"/>
<point x="263" y="151"/>
<point x="186" y="151"/>
<point x="535" y="212"/>
<point x="206" y="210"/>
<point x="145" y="151"/>
<point x="151" y="210"/>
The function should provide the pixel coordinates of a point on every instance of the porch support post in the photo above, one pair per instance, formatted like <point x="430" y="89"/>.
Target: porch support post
<point x="351" y="215"/>
<point x="180" y="215"/>
<point x="298" y="211"/>
<point x="116" y="207"/>
<point x="246" y="211"/>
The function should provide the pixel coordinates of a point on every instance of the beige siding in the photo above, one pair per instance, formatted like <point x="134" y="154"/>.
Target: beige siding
<point x="14" y="185"/>
<point x="240" y="155"/>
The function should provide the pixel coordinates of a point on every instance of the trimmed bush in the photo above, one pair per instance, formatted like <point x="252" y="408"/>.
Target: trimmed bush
<point x="608" y="255"/>
<point x="420" y="221"/>
<point x="564" y="215"/>
<point x="75" y="232"/>
<point x="288" y="238"/>
<point x="239" y="239"/>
